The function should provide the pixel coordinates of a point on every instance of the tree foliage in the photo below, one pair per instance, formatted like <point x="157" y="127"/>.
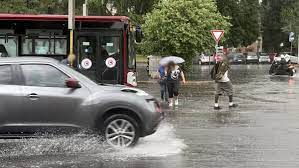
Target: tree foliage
<point x="290" y="15"/>
<point x="182" y="27"/>
<point x="275" y="24"/>
<point x="135" y="9"/>
<point x="244" y="16"/>
<point x="38" y="6"/>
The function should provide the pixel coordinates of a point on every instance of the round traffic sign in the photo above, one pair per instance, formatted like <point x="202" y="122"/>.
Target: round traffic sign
<point x="110" y="62"/>
<point x="86" y="63"/>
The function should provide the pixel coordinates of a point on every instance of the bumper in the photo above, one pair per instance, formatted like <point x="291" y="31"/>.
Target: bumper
<point x="264" y="62"/>
<point x="252" y="61"/>
<point x="239" y="62"/>
<point x="153" y="126"/>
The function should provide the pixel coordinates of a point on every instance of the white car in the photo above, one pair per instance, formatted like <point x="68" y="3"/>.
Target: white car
<point x="264" y="58"/>
<point x="294" y="59"/>
<point x="205" y="59"/>
<point x="287" y="57"/>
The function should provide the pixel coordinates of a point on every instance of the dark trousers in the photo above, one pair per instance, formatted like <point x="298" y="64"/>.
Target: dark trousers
<point x="163" y="91"/>
<point x="173" y="88"/>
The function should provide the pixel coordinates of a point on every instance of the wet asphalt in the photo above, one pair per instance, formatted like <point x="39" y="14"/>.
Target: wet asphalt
<point x="262" y="132"/>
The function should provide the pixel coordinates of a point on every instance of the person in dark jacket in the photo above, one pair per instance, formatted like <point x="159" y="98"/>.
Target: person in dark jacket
<point x="219" y="73"/>
<point x="65" y="62"/>
<point x="3" y="51"/>
<point x="162" y="82"/>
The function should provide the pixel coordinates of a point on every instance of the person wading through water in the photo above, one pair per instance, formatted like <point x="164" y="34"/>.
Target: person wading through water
<point x="162" y="81"/>
<point x="174" y="74"/>
<point x="219" y="73"/>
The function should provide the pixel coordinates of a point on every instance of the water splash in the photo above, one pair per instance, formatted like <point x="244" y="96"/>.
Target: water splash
<point x="163" y="143"/>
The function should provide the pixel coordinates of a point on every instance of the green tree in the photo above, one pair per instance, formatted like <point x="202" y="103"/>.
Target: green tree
<point x="273" y="24"/>
<point x="98" y="7"/>
<point x="290" y="15"/>
<point x="182" y="27"/>
<point x="38" y="6"/>
<point x="135" y="9"/>
<point x="17" y="6"/>
<point x="244" y="16"/>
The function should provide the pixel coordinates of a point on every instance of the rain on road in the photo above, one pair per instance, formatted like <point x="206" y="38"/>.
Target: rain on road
<point x="262" y="132"/>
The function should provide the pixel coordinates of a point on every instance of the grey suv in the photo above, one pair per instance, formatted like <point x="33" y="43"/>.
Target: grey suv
<point x="41" y="95"/>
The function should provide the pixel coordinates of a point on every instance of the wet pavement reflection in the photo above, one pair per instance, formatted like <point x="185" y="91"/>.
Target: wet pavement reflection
<point x="262" y="132"/>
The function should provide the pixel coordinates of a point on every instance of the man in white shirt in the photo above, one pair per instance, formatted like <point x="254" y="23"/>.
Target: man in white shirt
<point x="223" y="83"/>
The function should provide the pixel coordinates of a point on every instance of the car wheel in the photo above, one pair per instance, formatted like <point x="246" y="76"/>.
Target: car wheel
<point x="121" y="131"/>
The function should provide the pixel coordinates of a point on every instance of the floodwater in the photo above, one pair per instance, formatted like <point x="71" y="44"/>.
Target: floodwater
<point x="262" y="132"/>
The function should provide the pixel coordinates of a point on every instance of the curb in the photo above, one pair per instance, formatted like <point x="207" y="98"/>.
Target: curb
<point x="187" y="83"/>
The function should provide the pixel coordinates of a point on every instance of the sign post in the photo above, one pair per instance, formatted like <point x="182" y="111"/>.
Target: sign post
<point x="71" y="27"/>
<point x="85" y="8"/>
<point x="291" y="39"/>
<point x="217" y="35"/>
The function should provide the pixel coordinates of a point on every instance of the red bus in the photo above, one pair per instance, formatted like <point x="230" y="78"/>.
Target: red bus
<point x="103" y="45"/>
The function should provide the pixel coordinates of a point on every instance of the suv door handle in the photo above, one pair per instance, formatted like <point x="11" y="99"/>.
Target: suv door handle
<point x="33" y="96"/>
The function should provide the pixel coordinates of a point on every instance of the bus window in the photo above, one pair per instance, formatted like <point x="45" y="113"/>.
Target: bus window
<point x="26" y="46"/>
<point x="60" y="46"/>
<point x="110" y="47"/>
<point x="111" y="44"/>
<point x="8" y="47"/>
<point x="45" y="45"/>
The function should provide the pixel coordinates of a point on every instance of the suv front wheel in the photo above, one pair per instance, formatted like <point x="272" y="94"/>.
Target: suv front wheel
<point x="121" y="130"/>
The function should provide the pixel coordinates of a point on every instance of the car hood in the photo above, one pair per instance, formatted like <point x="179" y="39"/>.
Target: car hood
<point x="123" y="89"/>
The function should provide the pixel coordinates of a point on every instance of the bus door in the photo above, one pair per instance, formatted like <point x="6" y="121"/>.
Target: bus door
<point x="99" y="56"/>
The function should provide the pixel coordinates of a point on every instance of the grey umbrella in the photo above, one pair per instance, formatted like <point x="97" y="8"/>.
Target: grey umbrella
<point x="175" y="59"/>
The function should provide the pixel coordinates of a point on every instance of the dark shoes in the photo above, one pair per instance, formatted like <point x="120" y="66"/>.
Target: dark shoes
<point x="217" y="108"/>
<point x="233" y="106"/>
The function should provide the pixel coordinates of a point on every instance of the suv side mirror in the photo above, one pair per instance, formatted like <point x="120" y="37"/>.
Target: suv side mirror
<point x="138" y="34"/>
<point x="72" y="83"/>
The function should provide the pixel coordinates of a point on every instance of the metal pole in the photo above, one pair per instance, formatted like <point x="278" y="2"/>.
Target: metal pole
<point x="85" y="8"/>
<point x="209" y="62"/>
<point x="216" y="52"/>
<point x="298" y="48"/>
<point x="71" y="27"/>
<point x="71" y="41"/>
<point x="291" y="48"/>
<point x="216" y="49"/>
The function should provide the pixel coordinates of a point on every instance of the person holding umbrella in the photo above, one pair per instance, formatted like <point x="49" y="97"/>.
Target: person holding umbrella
<point x="173" y="76"/>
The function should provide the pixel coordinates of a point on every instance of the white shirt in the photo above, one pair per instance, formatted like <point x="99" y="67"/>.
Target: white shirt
<point x="224" y="78"/>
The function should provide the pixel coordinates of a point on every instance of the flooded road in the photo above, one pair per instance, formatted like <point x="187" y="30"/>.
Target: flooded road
<point x="262" y="132"/>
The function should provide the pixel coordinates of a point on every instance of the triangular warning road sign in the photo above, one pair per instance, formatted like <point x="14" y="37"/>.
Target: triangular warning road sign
<point x="217" y="34"/>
